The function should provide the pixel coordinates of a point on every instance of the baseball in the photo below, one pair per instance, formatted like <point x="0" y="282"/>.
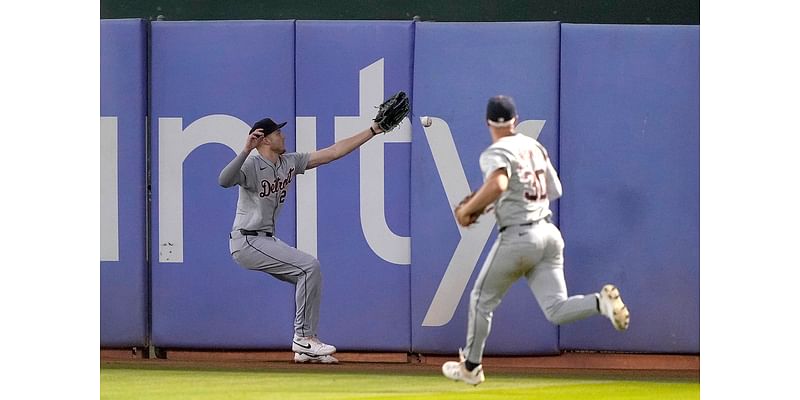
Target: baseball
<point x="426" y="121"/>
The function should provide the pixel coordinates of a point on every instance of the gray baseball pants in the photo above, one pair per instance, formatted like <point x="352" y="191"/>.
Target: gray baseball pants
<point x="535" y="252"/>
<point x="273" y="256"/>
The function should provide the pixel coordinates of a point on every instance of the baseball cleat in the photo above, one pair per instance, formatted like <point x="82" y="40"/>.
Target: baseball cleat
<point x="613" y="308"/>
<point x="301" y="358"/>
<point x="311" y="346"/>
<point x="457" y="371"/>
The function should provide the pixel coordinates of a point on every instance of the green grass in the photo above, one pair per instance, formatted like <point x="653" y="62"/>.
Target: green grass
<point x="137" y="383"/>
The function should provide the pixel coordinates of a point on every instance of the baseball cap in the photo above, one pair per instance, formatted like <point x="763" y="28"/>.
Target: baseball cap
<point x="500" y="111"/>
<point x="268" y="125"/>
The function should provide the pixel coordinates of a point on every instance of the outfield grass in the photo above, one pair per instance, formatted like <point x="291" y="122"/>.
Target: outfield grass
<point x="136" y="383"/>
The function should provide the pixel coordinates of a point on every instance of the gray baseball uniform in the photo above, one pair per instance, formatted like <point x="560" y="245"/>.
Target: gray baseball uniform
<point x="528" y="245"/>
<point x="253" y="243"/>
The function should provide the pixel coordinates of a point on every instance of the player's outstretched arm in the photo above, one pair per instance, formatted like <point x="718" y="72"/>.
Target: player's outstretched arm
<point x="390" y="114"/>
<point x="232" y="173"/>
<point x="341" y="148"/>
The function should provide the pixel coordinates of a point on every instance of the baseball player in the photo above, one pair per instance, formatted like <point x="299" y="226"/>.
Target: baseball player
<point x="520" y="182"/>
<point x="264" y="179"/>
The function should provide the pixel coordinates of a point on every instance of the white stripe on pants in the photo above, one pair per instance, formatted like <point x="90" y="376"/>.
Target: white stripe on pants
<point x="273" y="256"/>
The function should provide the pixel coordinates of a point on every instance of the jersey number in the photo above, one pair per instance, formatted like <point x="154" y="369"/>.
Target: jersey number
<point x="283" y="196"/>
<point x="536" y="184"/>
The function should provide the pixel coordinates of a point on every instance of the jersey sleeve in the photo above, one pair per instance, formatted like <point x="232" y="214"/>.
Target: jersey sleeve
<point x="299" y="161"/>
<point x="235" y="173"/>
<point x="247" y="175"/>
<point x="493" y="159"/>
<point x="553" y="184"/>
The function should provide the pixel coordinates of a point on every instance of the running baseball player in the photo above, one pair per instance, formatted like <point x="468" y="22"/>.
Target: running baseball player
<point x="264" y="179"/>
<point x="520" y="182"/>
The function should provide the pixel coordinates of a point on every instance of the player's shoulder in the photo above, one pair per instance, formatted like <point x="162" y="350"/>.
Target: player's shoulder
<point x="499" y="148"/>
<point x="529" y="142"/>
<point x="512" y="144"/>
<point x="252" y="158"/>
<point x="541" y="148"/>
<point x="295" y="158"/>
<point x="520" y="138"/>
<point x="294" y="155"/>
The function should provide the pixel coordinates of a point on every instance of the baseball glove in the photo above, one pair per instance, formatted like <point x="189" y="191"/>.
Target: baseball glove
<point x="472" y="217"/>
<point x="392" y="111"/>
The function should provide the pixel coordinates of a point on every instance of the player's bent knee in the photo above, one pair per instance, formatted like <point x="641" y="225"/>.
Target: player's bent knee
<point x="551" y="313"/>
<point x="552" y="318"/>
<point x="313" y="269"/>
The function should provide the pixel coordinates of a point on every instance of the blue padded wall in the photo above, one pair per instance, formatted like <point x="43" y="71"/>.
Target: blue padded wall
<point x="630" y="131"/>
<point x="123" y="91"/>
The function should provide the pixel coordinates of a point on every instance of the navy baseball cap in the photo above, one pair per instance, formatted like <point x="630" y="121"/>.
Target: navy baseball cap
<point x="268" y="125"/>
<point x="500" y="111"/>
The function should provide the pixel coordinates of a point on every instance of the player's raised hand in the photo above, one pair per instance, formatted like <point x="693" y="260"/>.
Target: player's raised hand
<point x="253" y="139"/>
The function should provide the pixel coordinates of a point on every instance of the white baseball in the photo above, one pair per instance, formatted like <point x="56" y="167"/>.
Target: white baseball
<point x="427" y="121"/>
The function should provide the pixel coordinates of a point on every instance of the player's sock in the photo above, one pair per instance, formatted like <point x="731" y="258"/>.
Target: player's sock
<point x="470" y="365"/>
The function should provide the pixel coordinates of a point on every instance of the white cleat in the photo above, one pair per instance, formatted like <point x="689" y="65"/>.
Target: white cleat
<point x="311" y="346"/>
<point x="613" y="308"/>
<point x="457" y="371"/>
<point x="301" y="358"/>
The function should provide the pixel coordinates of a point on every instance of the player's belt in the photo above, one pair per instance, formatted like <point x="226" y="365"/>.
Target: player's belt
<point x="546" y="219"/>
<point x="245" y="232"/>
<point x="508" y="226"/>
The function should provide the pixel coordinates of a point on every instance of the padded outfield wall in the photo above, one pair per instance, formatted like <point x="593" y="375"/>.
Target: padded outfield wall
<point x="616" y="105"/>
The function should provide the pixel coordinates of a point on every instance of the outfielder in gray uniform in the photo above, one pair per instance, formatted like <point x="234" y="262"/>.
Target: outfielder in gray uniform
<point x="264" y="179"/>
<point x="520" y="181"/>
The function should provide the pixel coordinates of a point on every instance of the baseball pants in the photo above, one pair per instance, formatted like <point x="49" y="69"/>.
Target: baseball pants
<point x="273" y="256"/>
<point x="535" y="252"/>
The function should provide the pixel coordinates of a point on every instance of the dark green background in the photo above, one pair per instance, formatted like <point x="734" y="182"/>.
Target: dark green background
<point x="674" y="12"/>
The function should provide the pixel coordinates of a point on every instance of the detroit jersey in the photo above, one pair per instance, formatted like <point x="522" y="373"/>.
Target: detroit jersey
<point x="263" y="187"/>
<point x="532" y="182"/>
